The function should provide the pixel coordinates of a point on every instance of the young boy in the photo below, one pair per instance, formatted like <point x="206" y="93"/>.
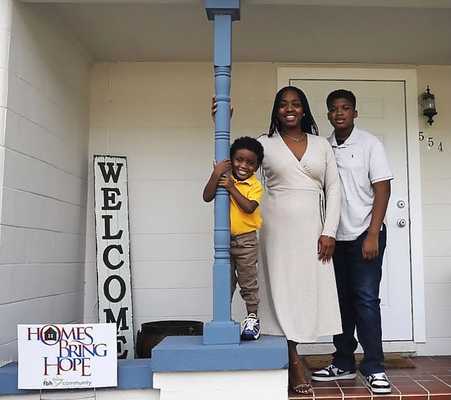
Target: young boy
<point x="361" y="238"/>
<point x="246" y="155"/>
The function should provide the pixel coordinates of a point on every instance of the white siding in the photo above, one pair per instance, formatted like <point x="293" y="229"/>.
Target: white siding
<point x="436" y="180"/>
<point x="45" y="146"/>
<point x="157" y="114"/>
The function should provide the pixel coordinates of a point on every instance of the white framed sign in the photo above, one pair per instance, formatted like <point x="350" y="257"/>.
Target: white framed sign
<point x="67" y="356"/>
<point x="113" y="249"/>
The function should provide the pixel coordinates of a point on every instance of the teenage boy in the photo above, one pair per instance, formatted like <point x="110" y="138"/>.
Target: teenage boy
<point x="361" y="238"/>
<point x="245" y="190"/>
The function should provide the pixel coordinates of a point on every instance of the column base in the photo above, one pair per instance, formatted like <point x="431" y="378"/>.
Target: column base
<point x="188" y="353"/>
<point x="221" y="332"/>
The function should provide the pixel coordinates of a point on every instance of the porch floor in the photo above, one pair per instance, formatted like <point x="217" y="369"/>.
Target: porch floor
<point x="431" y="378"/>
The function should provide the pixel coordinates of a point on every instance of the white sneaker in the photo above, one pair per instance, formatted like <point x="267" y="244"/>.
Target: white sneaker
<point x="378" y="383"/>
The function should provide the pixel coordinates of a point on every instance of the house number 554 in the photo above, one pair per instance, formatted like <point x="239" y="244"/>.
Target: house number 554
<point x="430" y="141"/>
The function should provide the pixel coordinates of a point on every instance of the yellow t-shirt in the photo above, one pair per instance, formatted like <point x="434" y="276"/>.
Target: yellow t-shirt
<point x="241" y="222"/>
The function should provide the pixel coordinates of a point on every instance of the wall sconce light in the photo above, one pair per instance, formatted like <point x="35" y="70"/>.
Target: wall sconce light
<point x="428" y="104"/>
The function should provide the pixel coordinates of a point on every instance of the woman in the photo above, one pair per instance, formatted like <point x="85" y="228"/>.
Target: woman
<point x="301" y="211"/>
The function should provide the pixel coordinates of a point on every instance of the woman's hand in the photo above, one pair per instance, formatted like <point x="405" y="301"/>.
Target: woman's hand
<point x="214" y="107"/>
<point x="326" y="247"/>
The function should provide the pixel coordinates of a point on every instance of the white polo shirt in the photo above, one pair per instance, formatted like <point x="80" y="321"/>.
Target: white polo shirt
<point x="361" y="161"/>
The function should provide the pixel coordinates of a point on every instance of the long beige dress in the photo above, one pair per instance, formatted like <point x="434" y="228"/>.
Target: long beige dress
<point x="302" y="201"/>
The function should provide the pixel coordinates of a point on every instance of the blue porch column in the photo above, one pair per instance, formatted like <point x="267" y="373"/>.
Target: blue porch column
<point x="222" y="330"/>
<point x="219" y="349"/>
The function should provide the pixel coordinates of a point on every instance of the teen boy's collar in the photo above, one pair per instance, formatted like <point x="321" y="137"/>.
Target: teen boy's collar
<point x="351" y="139"/>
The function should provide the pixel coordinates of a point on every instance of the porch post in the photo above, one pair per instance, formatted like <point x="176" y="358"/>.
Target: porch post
<point x="219" y="349"/>
<point x="222" y="330"/>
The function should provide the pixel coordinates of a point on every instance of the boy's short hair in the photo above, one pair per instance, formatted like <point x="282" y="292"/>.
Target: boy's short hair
<point x="250" y="144"/>
<point x="340" y="94"/>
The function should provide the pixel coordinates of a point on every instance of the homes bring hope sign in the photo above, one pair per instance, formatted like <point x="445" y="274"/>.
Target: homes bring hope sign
<point x="67" y="356"/>
<point x="113" y="248"/>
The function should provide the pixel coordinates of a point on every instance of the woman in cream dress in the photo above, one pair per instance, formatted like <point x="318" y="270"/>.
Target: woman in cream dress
<point x="301" y="210"/>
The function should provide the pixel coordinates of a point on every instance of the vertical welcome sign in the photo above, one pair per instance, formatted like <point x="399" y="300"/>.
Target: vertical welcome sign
<point x="113" y="249"/>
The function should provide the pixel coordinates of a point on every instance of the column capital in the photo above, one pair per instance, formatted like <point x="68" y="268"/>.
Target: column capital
<point x="228" y="7"/>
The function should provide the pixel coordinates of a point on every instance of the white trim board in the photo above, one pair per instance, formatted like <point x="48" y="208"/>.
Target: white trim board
<point x="434" y="347"/>
<point x="409" y="76"/>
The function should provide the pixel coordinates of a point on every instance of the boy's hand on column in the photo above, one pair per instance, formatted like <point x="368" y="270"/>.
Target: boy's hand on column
<point x="326" y="248"/>
<point x="222" y="167"/>
<point x="226" y="182"/>
<point x="370" y="247"/>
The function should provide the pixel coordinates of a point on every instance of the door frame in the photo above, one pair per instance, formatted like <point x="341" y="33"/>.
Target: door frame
<point x="409" y="77"/>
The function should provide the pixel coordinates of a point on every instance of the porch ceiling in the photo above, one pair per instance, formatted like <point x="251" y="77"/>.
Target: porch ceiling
<point x="289" y="31"/>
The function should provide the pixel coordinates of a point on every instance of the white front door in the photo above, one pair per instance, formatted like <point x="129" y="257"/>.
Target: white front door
<point x="381" y="106"/>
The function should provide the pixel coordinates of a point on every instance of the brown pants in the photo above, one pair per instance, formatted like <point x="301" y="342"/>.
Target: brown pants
<point x="243" y="260"/>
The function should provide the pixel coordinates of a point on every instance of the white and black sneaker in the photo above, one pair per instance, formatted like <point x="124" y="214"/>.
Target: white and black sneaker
<point x="378" y="383"/>
<point x="250" y="328"/>
<point x="332" y="373"/>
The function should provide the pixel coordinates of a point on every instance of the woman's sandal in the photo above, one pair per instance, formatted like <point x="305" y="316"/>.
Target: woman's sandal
<point x="300" y="388"/>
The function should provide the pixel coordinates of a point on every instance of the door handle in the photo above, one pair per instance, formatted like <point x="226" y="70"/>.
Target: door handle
<point x="401" y="222"/>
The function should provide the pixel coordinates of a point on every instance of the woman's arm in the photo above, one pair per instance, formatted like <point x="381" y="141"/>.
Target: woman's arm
<point x="332" y="192"/>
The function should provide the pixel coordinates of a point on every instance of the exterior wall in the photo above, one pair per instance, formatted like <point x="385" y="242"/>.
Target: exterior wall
<point x="45" y="147"/>
<point x="436" y="181"/>
<point x="157" y="114"/>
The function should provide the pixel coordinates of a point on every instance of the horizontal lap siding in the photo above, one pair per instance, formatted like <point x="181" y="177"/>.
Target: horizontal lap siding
<point x="158" y="115"/>
<point x="436" y="181"/>
<point x="44" y="180"/>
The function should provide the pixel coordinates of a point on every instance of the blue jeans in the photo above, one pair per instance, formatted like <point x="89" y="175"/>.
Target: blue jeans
<point x="358" y="283"/>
